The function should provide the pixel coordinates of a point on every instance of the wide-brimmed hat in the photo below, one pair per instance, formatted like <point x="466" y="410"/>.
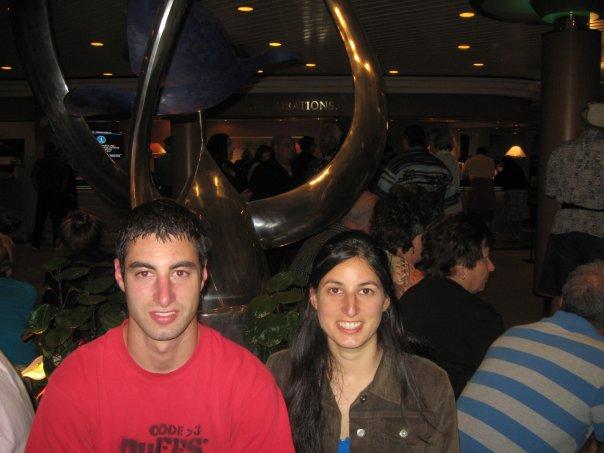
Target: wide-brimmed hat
<point x="594" y="114"/>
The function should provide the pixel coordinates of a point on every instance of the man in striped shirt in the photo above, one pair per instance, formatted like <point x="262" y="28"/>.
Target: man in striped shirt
<point x="541" y="386"/>
<point x="415" y="165"/>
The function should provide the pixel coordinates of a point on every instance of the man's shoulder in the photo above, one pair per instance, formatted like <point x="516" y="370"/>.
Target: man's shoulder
<point x="231" y="356"/>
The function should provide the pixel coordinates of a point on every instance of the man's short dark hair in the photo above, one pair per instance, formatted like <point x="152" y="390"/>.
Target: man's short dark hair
<point x="482" y="150"/>
<point x="165" y="219"/>
<point x="583" y="293"/>
<point x="415" y="136"/>
<point x="456" y="239"/>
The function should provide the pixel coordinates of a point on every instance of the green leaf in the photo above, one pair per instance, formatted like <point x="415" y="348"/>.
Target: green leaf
<point x="273" y="330"/>
<point x="91" y="299"/>
<point x="111" y="315"/>
<point x="55" y="264"/>
<point x="73" y="273"/>
<point x="288" y="297"/>
<point x="40" y="318"/>
<point x="99" y="285"/>
<point x="74" y="317"/>
<point x="280" y="282"/>
<point x="301" y="280"/>
<point x="262" y="305"/>
<point x="57" y="336"/>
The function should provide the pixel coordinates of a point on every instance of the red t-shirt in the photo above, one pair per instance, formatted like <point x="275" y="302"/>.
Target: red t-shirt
<point x="221" y="400"/>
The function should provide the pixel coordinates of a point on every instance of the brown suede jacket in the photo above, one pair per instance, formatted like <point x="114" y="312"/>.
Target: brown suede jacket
<point x="377" y="423"/>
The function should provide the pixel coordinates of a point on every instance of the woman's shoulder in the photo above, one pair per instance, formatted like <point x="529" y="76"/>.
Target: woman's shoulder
<point x="428" y="374"/>
<point x="279" y="364"/>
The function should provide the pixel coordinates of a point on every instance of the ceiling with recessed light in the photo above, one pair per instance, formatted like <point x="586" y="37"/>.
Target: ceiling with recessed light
<point x="413" y="37"/>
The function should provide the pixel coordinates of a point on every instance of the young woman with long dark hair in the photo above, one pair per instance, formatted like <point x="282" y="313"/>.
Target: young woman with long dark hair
<point x="348" y="380"/>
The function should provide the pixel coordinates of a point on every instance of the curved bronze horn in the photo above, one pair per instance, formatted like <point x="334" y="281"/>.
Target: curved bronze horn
<point x="33" y="39"/>
<point x="305" y="210"/>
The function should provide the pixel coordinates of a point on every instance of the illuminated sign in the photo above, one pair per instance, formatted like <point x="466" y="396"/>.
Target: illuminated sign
<point x="310" y="105"/>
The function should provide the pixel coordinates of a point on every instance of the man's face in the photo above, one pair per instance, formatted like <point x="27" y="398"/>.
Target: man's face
<point x="286" y="149"/>
<point x="475" y="279"/>
<point x="162" y="282"/>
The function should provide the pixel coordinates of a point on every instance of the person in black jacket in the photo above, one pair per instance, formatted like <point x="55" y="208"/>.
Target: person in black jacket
<point x="443" y="311"/>
<point x="49" y="178"/>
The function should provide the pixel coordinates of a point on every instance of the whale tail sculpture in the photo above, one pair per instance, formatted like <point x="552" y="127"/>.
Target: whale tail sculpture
<point x="204" y="69"/>
<point x="239" y="231"/>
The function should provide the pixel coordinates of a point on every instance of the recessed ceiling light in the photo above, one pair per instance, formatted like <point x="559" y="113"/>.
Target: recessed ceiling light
<point x="245" y="9"/>
<point x="478" y="65"/>
<point x="6" y="68"/>
<point x="311" y="65"/>
<point x="393" y="71"/>
<point x="463" y="46"/>
<point x="260" y="71"/>
<point x="467" y="15"/>
<point x="97" y="43"/>
<point x="274" y="44"/>
<point x="108" y="74"/>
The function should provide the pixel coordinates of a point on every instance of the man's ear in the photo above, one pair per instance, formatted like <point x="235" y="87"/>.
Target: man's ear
<point x="312" y="297"/>
<point x="117" y="274"/>
<point x="204" y="276"/>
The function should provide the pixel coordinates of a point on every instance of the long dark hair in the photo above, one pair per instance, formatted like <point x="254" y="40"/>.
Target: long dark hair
<point x="312" y="363"/>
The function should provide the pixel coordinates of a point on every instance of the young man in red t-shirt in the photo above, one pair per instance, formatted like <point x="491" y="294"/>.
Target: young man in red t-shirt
<point x="161" y="381"/>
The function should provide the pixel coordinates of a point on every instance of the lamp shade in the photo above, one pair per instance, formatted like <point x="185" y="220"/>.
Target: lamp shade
<point x="515" y="151"/>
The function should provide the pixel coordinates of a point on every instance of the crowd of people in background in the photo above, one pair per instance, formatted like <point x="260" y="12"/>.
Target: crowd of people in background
<point x="392" y="332"/>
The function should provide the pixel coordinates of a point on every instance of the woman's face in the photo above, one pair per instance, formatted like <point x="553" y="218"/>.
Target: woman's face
<point x="350" y="301"/>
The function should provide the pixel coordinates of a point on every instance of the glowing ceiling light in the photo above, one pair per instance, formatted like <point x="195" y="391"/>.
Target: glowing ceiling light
<point x="274" y="44"/>
<point x="260" y="71"/>
<point x="478" y="65"/>
<point x="6" y="68"/>
<point x="463" y="46"/>
<point x="393" y="71"/>
<point x="245" y="9"/>
<point x="108" y="74"/>
<point x="311" y="65"/>
<point x="467" y="15"/>
<point x="97" y="44"/>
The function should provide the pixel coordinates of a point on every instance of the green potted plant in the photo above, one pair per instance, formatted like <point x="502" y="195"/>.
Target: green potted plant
<point x="79" y="302"/>
<point x="274" y="315"/>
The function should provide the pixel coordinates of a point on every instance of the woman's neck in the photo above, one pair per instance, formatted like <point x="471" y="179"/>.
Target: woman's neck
<point x="357" y="365"/>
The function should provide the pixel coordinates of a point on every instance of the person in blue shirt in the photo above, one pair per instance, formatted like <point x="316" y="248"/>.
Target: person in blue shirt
<point x="16" y="301"/>
<point x="541" y="385"/>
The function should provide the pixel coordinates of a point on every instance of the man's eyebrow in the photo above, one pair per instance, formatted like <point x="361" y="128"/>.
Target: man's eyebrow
<point x="184" y="263"/>
<point x="189" y="264"/>
<point x="136" y="264"/>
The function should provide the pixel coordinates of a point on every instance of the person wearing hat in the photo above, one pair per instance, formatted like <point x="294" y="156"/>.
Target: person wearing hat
<point x="574" y="178"/>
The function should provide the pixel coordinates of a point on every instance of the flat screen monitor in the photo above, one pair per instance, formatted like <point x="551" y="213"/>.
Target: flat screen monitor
<point x="112" y="142"/>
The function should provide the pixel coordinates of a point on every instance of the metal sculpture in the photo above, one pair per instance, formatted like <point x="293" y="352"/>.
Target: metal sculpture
<point x="199" y="76"/>
<point x="239" y="231"/>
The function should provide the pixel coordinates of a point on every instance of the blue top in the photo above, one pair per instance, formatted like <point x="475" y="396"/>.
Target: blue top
<point x="16" y="301"/>
<point x="539" y="388"/>
<point x="344" y="445"/>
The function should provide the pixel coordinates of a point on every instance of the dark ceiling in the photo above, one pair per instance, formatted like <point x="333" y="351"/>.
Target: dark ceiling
<point x="412" y="36"/>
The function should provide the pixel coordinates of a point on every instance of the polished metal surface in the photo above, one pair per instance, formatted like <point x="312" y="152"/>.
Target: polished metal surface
<point x="239" y="232"/>
<point x="309" y="208"/>
<point x="33" y="37"/>
<point x="161" y="43"/>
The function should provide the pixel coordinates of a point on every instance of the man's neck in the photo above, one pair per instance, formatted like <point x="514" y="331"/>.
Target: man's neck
<point x="160" y="356"/>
